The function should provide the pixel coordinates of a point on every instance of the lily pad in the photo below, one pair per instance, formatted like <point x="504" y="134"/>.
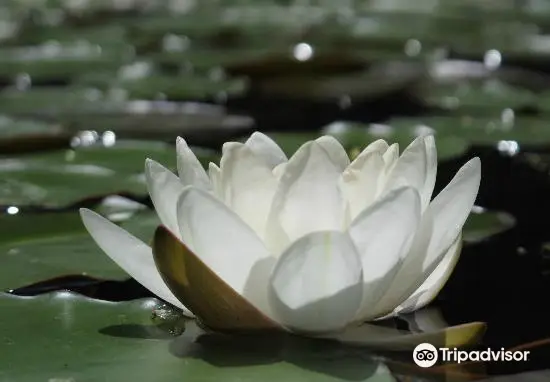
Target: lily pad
<point x="505" y="126"/>
<point x="492" y="94"/>
<point x="54" y="60"/>
<point x="74" y="338"/>
<point x="482" y="224"/>
<point x="182" y="87"/>
<point x="26" y="135"/>
<point x="35" y="247"/>
<point x="91" y="109"/>
<point x="62" y="178"/>
<point x="378" y="80"/>
<point x="355" y="136"/>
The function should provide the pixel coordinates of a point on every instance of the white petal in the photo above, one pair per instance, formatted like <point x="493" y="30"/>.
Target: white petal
<point x="441" y="224"/>
<point x="391" y="156"/>
<point x="279" y="170"/>
<point x="425" y="320"/>
<point x="190" y="170"/>
<point x="380" y="145"/>
<point x="214" y="173"/>
<point x="335" y="151"/>
<point x="431" y="170"/>
<point x="316" y="285"/>
<point x="308" y="198"/>
<point x="383" y="235"/>
<point x="248" y="185"/>
<point x="266" y="148"/>
<point x="410" y="166"/>
<point x="359" y="181"/>
<point x="451" y="208"/>
<point x="164" y="188"/>
<point x="434" y="283"/>
<point x="222" y="241"/>
<point x="130" y="253"/>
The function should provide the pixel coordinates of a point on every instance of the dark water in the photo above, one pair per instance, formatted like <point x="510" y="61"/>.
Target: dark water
<point x="504" y="280"/>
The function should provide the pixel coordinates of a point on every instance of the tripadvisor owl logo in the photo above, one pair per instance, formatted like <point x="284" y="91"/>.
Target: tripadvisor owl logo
<point x="425" y="355"/>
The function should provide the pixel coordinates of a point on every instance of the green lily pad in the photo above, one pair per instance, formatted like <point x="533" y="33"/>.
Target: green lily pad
<point x="492" y="94"/>
<point x="91" y="109"/>
<point x="64" y="177"/>
<point x="35" y="247"/>
<point x="66" y="337"/>
<point x="55" y="60"/>
<point x="18" y="136"/>
<point x="482" y="130"/>
<point x="355" y="136"/>
<point x="182" y="87"/>
<point x="482" y="224"/>
<point x="104" y="35"/>
<point x="10" y="128"/>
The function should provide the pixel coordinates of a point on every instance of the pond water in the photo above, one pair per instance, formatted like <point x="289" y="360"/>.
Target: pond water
<point x="89" y="89"/>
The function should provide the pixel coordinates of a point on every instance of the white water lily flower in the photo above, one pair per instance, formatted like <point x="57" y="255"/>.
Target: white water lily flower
<point x="314" y="243"/>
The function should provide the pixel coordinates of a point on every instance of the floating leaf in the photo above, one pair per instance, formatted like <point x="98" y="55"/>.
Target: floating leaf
<point x="75" y="338"/>
<point x="488" y="95"/>
<point x="36" y="247"/>
<point x="24" y="135"/>
<point x="355" y="136"/>
<point x="91" y="109"/>
<point x="484" y="224"/>
<point x="54" y="60"/>
<point x="65" y="177"/>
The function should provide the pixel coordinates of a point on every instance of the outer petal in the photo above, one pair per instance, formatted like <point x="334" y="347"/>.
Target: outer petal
<point x="431" y="170"/>
<point x="434" y="283"/>
<point x="410" y="166"/>
<point x="391" y="156"/>
<point x="360" y="180"/>
<point x="248" y="185"/>
<point x="279" y="170"/>
<point x="441" y="224"/>
<point x="316" y="285"/>
<point x="266" y="148"/>
<point x="307" y="199"/>
<point x="335" y="151"/>
<point x="382" y="235"/>
<point x="222" y="241"/>
<point x="190" y="170"/>
<point x="213" y="302"/>
<point x="130" y="253"/>
<point x="164" y="188"/>
<point x="380" y="145"/>
<point x="214" y="173"/>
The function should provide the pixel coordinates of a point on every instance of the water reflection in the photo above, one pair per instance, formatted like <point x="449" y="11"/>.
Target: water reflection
<point x="508" y="117"/>
<point x="23" y="81"/>
<point x="492" y="59"/>
<point x="302" y="52"/>
<point x="85" y="138"/>
<point x="175" y="43"/>
<point x="136" y="70"/>
<point x="108" y="138"/>
<point x="509" y="148"/>
<point x="413" y="48"/>
<point x="12" y="210"/>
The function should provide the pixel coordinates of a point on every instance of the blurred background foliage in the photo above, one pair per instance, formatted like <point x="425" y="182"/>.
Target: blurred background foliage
<point x="90" y="88"/>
